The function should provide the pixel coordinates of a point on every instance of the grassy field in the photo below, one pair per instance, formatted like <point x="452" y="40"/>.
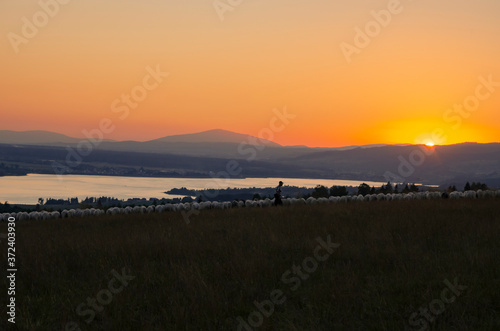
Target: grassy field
<point x="155" y="272"/>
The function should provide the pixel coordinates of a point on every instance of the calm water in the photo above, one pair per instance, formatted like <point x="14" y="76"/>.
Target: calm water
<point x="27" y="189"/>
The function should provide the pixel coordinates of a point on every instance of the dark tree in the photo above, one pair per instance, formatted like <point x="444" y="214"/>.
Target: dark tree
<point x="320" y="192"/>
<point x="386" y="188"/>
<point x="406" y="189"/>
<point x="364" y="189"/>
<point x="467" y="187"/>
<point x="338" y="191"/>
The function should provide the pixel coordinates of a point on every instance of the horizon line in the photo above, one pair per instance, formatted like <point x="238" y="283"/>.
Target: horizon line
<point x="246" y="134"/>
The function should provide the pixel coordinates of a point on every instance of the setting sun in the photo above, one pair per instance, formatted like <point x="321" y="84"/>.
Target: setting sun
<point x="429" y="144"/>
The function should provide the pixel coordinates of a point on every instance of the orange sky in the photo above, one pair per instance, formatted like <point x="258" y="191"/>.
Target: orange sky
<point x="231" y="74"/>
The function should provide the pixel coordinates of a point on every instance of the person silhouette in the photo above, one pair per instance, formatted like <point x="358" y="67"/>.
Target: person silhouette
<point x="277" y="195"/>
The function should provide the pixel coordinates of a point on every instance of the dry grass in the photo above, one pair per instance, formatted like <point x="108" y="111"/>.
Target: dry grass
<point x="392" y="260"/>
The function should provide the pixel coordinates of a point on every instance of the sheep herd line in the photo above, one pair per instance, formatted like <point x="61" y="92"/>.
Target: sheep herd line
<point x="187" y="206"/>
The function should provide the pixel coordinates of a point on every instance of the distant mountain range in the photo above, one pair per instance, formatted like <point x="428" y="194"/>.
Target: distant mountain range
<point x="207" y="153"/>
<point x="211" y="143"/>
<point x="35" y="138"/>
<point x="38" y="137"/>
<point x="213" y="136"/>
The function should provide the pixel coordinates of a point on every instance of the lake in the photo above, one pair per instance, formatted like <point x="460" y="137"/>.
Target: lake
<point x="27" y="189"/>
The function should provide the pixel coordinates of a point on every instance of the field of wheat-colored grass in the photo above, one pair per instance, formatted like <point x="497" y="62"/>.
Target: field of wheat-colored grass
<point x="392" y="261"/>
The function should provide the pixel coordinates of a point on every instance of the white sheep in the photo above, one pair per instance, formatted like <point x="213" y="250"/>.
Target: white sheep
<point x="323" y="200"/>
<point x="397" y="196"/>
<point x="488" y="194"/>
<point x="112" y="211"/>
<point x="485" y="194"/>
<point x="470" y="194"/>
<point x="138" y="209"/>
<point x="44" y="215"/>
<point x="311" y="201"/>
<point x="456" y="195"/>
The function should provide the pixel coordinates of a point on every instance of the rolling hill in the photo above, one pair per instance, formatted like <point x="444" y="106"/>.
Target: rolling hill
<point x="207" y="153"/>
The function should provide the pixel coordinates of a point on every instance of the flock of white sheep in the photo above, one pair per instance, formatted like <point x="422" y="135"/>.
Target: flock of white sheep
<point x="44" y="215"/>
